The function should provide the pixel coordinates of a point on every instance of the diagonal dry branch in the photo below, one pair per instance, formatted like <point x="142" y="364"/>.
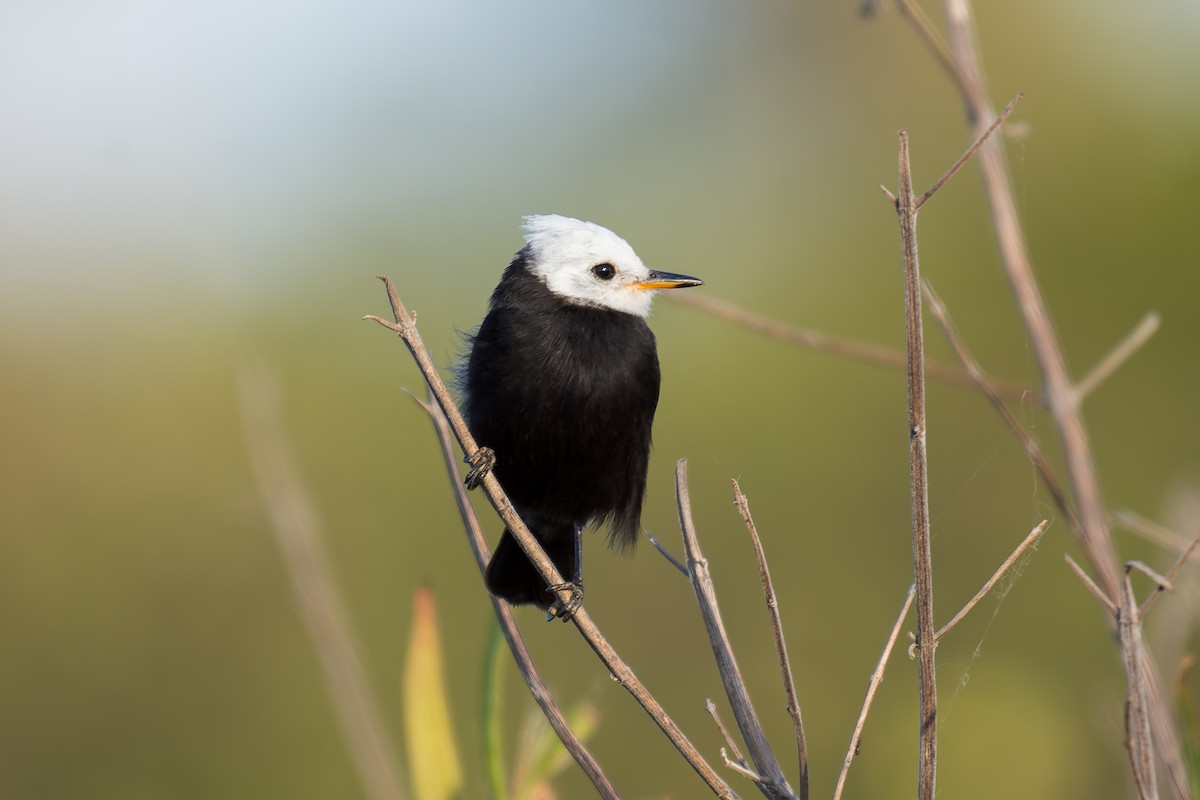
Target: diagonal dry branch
<point x="847" y="348"/>
<point x="1033" y="536"/>
<point x="405" y="327"/>
<point x="1062" y="397"/>
<point x="508" y="624"/>
<point x="781" y="653"/>
<point x="872" y="687"/>
<point x="772" y="781"/>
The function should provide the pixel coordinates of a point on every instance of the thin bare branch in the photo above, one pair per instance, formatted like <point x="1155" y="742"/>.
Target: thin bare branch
<point x="925" y="30"/>
<point x="1137" y="719"/>
<point x="1061" y="397"/>
<point x="1171" y="573"/>
<point x="1091" y="586"/>
<point x="965" y="157"/>
<point x="1028" y="443"/>
<point x="508" y="624"/>
<point x="774" y="784"/>
<point x="298" y="534"/>
<point x="1060" y="394"/>
<point x="406" y="329"/>
<point x="1133" y="341"/>
<point x="785" y="665"/>
<point x="711" y="707"/>
<point x="740" y="769"/>
<point x="667" y="554"/>
<point x="872" y="687"/>
<point x="846" y="348"/>
<point x="1033" y="536"/>
<point x="906" y="210"/>
<point x="1152" y="531"/>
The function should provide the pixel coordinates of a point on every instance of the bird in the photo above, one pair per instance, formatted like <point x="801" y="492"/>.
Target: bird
<point x="559" y="387"/>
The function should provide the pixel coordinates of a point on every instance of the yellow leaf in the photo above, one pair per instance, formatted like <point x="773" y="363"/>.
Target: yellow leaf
<point x="432" y="755"/>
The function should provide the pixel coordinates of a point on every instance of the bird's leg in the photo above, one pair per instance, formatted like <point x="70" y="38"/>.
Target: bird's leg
<point x="481" y="461"/>
<point x="559" y="610"/>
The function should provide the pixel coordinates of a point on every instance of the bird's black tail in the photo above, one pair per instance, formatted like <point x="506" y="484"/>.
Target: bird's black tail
<point x="512" y="576"/>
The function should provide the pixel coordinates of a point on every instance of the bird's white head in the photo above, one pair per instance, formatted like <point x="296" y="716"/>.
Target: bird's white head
<point x="586" y="264"/>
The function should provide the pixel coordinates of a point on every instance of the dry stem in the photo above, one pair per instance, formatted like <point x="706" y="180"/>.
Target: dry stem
<point x="906" y="209"/>
<point x="773" y="783"/>
<point x="298" y="534"/>
<point x="847" y="348"/>
<point x="406" y="329"/>
<point x="1033" y="536"/>
<point x="785" y="665"/>
<point x="872" y="687"/>
<point x="508" y="625"/>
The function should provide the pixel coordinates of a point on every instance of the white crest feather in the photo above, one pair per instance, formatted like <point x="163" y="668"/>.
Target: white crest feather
<point x="563" y="251"/>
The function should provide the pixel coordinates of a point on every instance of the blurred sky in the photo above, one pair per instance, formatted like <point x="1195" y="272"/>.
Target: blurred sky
<point x="189" y="187"/>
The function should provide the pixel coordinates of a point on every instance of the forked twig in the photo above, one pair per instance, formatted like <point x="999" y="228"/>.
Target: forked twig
<point x="1137" y="704"/>
<point x="785" y="665"/>
<point x="1033" y="536"/>
<point x="1164" y="585"/>
<point x="774" y="784"/>
<point x="1133" y="341"/>
<point x="918" y="464"/>
<point x="711" y="707"/>
<point x="1061" y="396"/>
<point x="406" y="329"/>
<point x="872" y="687"/>
<point x="508" y="625"/>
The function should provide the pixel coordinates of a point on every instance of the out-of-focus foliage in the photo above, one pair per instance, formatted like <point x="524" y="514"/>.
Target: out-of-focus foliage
<point x="432" y="754"/>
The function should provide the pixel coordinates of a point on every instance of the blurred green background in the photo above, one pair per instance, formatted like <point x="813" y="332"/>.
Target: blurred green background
<point x="189" y="187"/>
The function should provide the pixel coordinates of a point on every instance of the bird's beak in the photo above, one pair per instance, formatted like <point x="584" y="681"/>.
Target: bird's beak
<point x="667" y="280"/>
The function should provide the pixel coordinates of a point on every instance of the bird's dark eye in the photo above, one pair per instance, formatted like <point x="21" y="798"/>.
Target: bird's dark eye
<point x="604" y="272"/>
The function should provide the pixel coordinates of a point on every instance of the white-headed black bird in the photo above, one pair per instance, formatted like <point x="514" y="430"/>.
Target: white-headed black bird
<point x="561" y="384"/>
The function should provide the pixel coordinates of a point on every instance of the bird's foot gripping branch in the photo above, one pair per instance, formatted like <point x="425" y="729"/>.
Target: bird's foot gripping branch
<point x="481" y="461"/>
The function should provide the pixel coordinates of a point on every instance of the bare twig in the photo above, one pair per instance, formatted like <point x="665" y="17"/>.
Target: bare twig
<point x="1062" y="398"/>
<point x="508" y="625"/>
<point x="906" y="210"/>
<point x="1171" y="573"/>
<point x="1137" y="720"/>
<point x="1091" y="586"/>
<point x="1033" y="536"/>
<point x="785" y="665"/>
<point x="773" y="784"/>
<point x="925" y="30"/>
<point x="1028" y="443"/>
<point x="665" y="553"/>
<point x="970" y="151"/>
<point x="1060" y="393"/>
<point x="846" y="348"/>
<point x="872" y="687"/>
<point x="1133" y="341"/>
<point x="1160" y="535"/>
<point x="711" y="707"/>
<point x="298" y="534"/>
<point x="740" y="768"/>
<point x="406" y="329"/>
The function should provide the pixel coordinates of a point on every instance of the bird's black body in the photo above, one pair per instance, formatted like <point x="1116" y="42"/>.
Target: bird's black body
<point x="564" y="393"/>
